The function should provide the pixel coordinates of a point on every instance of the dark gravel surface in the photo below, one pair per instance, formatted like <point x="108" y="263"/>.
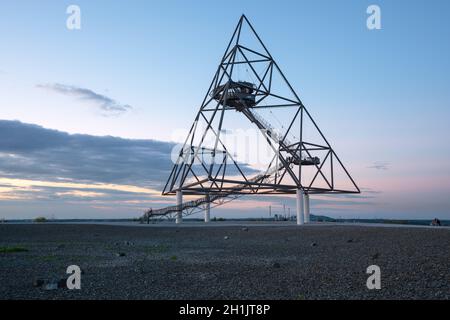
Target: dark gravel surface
<point x="326" y="262"/>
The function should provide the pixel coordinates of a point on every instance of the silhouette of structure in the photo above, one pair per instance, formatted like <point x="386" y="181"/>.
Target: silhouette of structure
<point x="247" y="89"/>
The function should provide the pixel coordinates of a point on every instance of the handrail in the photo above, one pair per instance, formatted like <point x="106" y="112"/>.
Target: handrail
<point x="209" y="198"/>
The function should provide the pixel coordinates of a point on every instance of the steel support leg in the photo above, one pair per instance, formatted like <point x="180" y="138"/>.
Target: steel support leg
<point x="179" y="218"/>
<point x="300" y="217"/>
<point x="208" y="209"/>
<point x="306" y="205"/>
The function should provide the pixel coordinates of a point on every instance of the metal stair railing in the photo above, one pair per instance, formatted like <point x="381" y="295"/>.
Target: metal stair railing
<point x="273" y="133"/>
<point x="282" y="140"/>
<point x="198" y="202"/>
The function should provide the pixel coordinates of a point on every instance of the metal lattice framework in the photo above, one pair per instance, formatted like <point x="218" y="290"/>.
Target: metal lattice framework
<point x="302" y="158"/>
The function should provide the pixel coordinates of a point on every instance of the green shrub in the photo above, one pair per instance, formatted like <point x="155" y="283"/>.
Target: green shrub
<point x="40" y="219"/>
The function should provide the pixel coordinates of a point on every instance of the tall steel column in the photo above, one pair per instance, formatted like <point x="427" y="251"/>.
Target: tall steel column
<point x="300" y="208"/>
<point x="179" y="218"/>
<point x="208" y="209"/>
<point x="306" y="205"/>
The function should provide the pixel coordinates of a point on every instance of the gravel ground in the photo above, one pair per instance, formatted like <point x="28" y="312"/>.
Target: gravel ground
<point x="265" y="262"/>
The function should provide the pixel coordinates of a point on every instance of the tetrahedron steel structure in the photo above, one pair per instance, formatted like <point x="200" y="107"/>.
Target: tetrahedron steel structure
<point x="249" y="89"/>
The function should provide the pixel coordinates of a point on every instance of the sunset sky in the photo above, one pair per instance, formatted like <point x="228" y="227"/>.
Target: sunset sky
<point x="88" y="117"/>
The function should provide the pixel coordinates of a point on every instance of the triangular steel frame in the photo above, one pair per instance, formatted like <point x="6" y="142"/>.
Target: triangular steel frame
<point x="212" y="178"/>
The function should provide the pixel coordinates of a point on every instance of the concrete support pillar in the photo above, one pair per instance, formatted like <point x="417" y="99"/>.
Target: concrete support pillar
<point x="179" y="217"/>
<point x="208" y="209"/>
<point x="306" y="204"/>
<point x="300" y="209"/>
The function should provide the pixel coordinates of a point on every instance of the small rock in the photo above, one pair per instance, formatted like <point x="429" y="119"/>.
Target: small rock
<point x="375" y="256"/>
<point x="276" y="265"/>
<point x="226" y="238"/>
<point x="435" y="284"/>
<point x="245" y="229"/>
<point x="313" y="244"/>
<point x="120" y="254"/>
<point x="38" y="283"/>
<point x="349" y="240"/>
<point x="128" y="243"/>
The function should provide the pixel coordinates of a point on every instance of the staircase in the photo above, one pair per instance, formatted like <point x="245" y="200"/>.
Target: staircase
<point x="269" y="129"/>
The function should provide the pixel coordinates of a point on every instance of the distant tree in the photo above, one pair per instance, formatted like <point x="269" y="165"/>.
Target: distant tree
<point x="40" y="219"/>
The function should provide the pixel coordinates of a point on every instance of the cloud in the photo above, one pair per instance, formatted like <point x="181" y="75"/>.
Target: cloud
<point x="81" y="194"/>
<point x="43" y="165"/>
<point x="108" y="105"/>
<point x="380" y="165"/>
<point x="24" y="184"/>
<point x="32" y="152"/>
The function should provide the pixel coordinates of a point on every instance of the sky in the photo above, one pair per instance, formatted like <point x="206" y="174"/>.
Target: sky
<point x="88" y="117"/>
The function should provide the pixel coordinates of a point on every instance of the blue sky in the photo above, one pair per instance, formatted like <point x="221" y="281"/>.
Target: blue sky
<point x="380" y="96"/>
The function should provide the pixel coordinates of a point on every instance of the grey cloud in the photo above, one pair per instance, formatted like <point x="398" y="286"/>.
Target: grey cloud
<point x="106" y="104"/>
<point x="365" y="190"/>
<point x="31" y="152"/>
<point x="380" y="165"/>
